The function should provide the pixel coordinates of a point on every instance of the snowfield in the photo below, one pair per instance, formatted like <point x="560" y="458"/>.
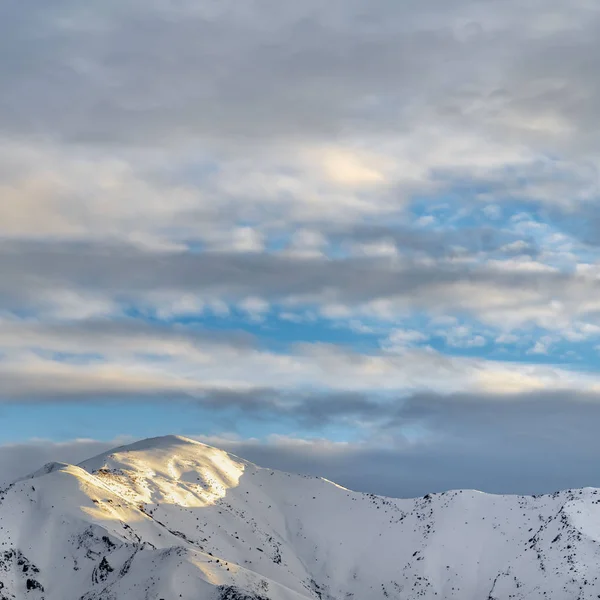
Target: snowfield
<point x="170" y="518"/>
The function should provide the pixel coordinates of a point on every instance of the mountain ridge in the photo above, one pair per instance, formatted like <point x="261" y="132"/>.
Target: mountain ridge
<point x="170" y="517"/>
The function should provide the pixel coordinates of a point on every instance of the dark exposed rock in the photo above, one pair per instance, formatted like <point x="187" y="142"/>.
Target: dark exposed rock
<point x="229" y="592"/>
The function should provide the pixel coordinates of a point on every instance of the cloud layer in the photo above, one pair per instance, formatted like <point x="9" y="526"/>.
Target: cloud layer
<point x="367" y="222"/>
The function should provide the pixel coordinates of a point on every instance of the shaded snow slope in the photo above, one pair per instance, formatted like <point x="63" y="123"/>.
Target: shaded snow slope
<point x="170" y="518"/>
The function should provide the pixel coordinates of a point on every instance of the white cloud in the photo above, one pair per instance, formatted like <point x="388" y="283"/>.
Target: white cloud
<point x="255" y="307"/>
<point x="507" y="338"/>
<point x="492" y="211"/>
<point x="148" y="362"/>
<point x="352" y="168"/>
<point x="399" y="340"/>
<point x="461" y="336"/>
<point x="542" y="346"/>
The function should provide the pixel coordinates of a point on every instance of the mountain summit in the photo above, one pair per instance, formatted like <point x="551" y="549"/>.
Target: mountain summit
<point x="169" y="518"/>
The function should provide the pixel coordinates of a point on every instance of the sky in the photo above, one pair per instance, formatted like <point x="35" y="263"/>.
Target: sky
<point x="355" y="238"/>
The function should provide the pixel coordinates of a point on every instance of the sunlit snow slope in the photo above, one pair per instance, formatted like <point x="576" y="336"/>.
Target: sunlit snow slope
<point x="170" y="518"/>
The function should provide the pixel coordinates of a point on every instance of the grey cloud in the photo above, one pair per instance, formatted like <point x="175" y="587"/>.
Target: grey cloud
<point x="485" y="423"/>
<point x="31" y="271"/>
<point x="132" y="72"/>
<point x="414" y="472"/>
<point x="20" y="459"/>
<point x="109" y="72"/>
<point x="64" y="384"/>
<point x="557" y="414"/>
<point x="439" y="243"/>
<point x="531" y="443"/>
<point x="535" y="443"/>
<point x="124" y="269"/>
<point x="98" y="335"/>
<point x="315" y="410"/>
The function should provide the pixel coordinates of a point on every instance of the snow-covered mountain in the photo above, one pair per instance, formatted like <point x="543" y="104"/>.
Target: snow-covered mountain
<point x="170" y="518"/>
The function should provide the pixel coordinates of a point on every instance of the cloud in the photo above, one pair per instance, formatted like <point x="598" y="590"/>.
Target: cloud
<point x="421" y="173"/>
<point x="289" y="80"/>
<point x="503" y="294"/>
<point x="312" y="386"/>
<point x="399" y="340"/>
<point x="21" y="459"/>
<point x="535" y="443"/>
<point x="267" y="70"/>
<point x="530" y="443"/>
<point x="350" y="168"/>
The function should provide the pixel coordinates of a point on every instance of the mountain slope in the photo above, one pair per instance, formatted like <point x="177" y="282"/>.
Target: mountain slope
<point x="171" y="518"/>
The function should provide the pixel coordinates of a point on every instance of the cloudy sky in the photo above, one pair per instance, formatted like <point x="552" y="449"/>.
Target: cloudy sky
<point x="356" y="238"/>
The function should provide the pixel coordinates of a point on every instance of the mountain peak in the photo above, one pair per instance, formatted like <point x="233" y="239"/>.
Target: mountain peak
<point x="161" y="447"/>
<point x="170" y="469"/>
<point x="158" y="442"/>
<point x="170" y="517"/>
